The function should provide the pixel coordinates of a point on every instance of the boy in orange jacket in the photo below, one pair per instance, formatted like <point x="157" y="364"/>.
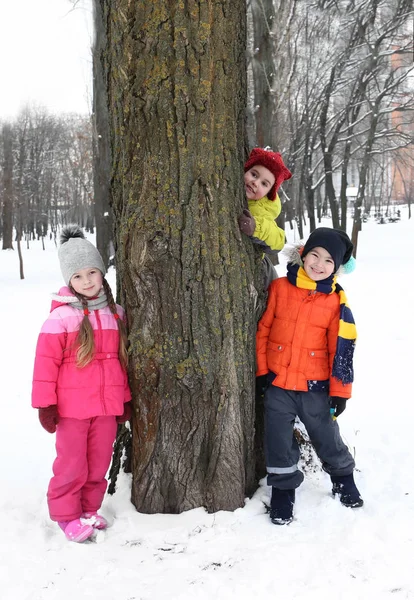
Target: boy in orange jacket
<point x="304" y="344"/>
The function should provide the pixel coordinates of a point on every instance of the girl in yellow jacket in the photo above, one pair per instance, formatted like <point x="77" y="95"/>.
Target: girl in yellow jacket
<point x="264" y="172"/>
<point x="304" y="345"/>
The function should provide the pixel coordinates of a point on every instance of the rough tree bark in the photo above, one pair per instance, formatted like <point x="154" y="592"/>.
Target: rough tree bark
<point x="176" y="83"/>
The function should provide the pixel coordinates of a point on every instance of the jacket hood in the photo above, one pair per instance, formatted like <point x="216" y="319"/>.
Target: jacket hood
<point x="292" y="253"/>
<point x="63" y="297"/>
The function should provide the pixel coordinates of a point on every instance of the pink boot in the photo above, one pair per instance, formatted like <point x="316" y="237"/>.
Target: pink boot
<point x="95" y="520"/>
<point x="76" y="531"/>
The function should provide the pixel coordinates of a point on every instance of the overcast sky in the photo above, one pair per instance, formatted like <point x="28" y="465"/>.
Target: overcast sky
<point x="45" y="55"/>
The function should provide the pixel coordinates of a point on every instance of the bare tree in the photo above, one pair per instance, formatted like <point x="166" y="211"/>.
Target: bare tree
<point x="101" y="147"/>
<point x="340" y="52"/>
<point x="46" y="160"/>
<point x="263" y="67"/>
<point x="7" y="194"/>
<point x="20" y="127"/>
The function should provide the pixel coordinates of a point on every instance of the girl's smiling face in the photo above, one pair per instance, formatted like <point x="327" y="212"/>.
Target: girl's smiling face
<point x="258" y="181"/>
<point x="87" y="282"/>
<point x="318" y="264"/>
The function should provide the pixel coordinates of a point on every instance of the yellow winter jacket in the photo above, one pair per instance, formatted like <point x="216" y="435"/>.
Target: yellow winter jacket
<point x="267" y="232"/>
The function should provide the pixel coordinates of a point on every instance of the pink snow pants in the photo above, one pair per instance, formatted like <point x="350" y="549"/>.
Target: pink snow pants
<point x="84" y="450"/>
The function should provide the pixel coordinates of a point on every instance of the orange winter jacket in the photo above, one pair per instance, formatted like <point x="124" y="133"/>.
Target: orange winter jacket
<point x="296" y="338"/>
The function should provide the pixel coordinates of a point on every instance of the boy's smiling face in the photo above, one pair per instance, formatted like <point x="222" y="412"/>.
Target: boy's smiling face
<point x="258" y="181"/>
<point x="318" y="264"/>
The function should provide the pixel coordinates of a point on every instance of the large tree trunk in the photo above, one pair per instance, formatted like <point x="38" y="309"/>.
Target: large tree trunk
<point x="177" y="94"/>
<point x="7" y="187"/>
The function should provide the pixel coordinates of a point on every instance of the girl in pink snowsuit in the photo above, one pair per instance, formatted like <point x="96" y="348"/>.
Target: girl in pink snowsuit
<point x="80" y="385"/>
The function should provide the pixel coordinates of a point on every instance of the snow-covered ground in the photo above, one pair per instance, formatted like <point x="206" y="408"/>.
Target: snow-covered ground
<point x="327" y="552"/>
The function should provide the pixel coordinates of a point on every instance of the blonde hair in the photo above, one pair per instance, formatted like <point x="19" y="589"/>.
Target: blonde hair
<point x="85" y="339"/>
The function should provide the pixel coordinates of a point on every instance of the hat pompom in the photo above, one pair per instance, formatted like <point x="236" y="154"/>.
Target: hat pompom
<point x="349" y="266"/>
<point x="71" y="231"/>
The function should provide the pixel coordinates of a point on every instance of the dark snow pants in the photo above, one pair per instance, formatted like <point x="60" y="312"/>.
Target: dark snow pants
<point x="281" y="447"/>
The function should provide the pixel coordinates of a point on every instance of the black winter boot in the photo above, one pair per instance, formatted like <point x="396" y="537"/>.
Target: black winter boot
<point x="281" y="506"/>
<point x="344" y="485"/>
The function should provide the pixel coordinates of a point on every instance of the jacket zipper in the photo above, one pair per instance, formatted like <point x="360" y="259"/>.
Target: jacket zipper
<point x="310" y="296"/>
<point x="101" y="369"/>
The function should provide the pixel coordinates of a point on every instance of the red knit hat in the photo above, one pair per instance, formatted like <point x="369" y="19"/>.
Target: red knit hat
<point x="272" y="161"/>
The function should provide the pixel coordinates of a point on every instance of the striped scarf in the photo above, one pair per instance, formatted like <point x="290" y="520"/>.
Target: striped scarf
<point x="342" y="368"/>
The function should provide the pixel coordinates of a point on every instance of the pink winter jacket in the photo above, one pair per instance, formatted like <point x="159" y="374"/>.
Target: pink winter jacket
<point x="100" y="388"/>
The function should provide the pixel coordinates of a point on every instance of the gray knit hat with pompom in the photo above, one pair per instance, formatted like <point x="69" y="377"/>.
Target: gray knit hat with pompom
<point x="76" y="253"/>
